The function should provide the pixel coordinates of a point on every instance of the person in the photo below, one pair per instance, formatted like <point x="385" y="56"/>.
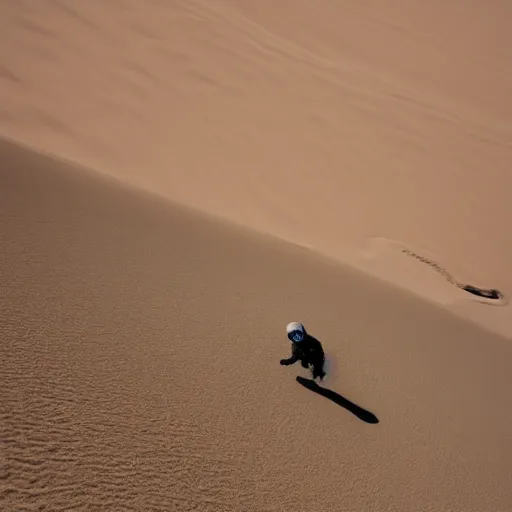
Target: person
<point x="306" y="349"/>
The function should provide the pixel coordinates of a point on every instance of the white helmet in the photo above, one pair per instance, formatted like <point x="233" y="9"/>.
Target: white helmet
<point x="295" y="331"/>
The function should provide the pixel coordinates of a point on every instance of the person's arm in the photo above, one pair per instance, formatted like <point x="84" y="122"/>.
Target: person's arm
<point x="292" y="359"/>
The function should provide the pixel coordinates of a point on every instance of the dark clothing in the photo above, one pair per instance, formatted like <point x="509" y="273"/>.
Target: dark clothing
<point x="309" y="351"/>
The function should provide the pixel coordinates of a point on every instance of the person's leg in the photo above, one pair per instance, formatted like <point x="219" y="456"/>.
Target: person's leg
<point x="318" y="369"/>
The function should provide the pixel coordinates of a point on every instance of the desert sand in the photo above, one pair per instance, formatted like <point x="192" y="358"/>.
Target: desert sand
<point x="179" y="180"/>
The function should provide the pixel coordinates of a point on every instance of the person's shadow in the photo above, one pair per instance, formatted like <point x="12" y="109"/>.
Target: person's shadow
<point x="361" y="413"/>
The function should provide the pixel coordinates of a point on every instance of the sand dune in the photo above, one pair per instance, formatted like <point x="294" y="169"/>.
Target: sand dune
<point x="327" y="126"/>
<point x="144" y="301"/>
<point x="140" y="349"/>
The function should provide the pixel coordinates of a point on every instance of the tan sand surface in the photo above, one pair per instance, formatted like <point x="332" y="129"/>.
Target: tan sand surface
<point x="329" y="125"/>
<point x="140" y="346"/>
<point x="140" y="338"/>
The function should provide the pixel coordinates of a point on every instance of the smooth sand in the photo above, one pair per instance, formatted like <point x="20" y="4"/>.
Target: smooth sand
<point x="140" y="339"/>
<point x="330" y="126"/>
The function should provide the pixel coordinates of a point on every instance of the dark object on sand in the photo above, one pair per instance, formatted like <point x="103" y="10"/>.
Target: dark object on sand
<point x="306" y="349"/>
<point x="488" y="294"/>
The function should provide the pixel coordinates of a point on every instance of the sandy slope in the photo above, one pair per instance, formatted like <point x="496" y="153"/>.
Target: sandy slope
<point x="140" y="346"/>
<point x="329" y="125"/>
<point x="139" y="342"/>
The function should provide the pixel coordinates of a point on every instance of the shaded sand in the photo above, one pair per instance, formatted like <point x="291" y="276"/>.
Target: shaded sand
<point x="139" y="368"/>
<point x="331" y="125"/>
